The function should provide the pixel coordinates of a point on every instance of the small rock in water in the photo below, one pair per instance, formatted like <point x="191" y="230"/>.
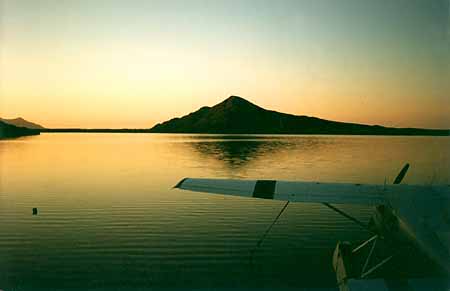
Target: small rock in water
<point x="35" y="211"/>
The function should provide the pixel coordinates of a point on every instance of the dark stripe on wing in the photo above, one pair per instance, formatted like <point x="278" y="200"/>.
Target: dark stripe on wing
<point x="264" y="189"/>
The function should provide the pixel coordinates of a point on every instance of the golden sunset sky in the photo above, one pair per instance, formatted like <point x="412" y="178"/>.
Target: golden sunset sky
<point x="134" y="63"/>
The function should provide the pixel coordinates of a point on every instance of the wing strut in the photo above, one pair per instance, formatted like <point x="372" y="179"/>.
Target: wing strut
<point x="273" y="223"/>
<point x="397" y="180"/>
<point x="258" y="244"/>
<point x="358" y="222"/>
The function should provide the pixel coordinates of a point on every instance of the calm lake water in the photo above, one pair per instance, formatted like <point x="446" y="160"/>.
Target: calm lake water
<point x="109" y="220"/>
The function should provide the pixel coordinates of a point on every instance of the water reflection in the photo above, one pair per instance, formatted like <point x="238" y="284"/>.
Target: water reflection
<point x="237" y="154"/>
<point x="237" y="151"/>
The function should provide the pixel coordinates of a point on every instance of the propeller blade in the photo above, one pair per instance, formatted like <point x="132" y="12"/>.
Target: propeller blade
<point x="402" y="174"/>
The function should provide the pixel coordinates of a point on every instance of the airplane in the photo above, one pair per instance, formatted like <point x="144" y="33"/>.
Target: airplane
<point x="416" y="216"/>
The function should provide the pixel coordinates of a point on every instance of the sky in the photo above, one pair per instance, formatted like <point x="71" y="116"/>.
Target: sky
<point x="99" y="63"/>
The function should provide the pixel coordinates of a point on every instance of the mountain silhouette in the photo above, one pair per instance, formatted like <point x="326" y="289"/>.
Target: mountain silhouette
<point x="235" y="115"/>
<point x="20" y="122"/>
<point x="8" y="131"/>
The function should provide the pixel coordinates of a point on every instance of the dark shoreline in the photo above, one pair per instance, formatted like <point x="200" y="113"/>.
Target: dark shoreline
<point x="98" y="130"/>
<point x="379" y="132"/>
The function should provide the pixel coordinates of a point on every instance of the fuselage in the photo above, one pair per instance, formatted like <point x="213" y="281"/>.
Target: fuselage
<point x="424" y="220"/>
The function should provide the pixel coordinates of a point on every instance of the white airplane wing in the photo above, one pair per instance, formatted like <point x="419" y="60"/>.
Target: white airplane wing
<point x="315" y="192"/>
<point x="340" y="193"/>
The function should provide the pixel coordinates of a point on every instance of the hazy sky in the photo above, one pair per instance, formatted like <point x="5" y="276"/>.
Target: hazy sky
<point x="99" y="63"/>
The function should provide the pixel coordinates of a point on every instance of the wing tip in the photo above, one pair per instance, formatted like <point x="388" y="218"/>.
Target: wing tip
<point x="178" y="185"/>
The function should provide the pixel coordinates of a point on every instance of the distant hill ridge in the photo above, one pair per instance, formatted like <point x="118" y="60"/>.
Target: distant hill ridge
<point x="20" y="122"/>
<point x="10" y="131"/>
<point x="235" y="115"/>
